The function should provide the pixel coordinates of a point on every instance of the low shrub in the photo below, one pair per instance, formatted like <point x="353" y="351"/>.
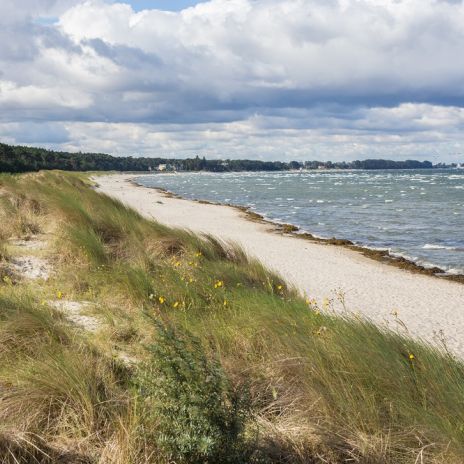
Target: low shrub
<point x="189" y="407"/>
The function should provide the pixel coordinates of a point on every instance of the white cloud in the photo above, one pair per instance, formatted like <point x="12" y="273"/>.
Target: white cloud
<point x="32" y="97"/>
<point x="269" y="78"/>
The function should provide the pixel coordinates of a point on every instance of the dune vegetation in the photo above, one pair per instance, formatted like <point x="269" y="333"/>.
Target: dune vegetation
<point x="138" y="343"/>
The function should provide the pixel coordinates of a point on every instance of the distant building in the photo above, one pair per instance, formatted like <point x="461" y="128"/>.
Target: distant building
<point x="162" y="167"/>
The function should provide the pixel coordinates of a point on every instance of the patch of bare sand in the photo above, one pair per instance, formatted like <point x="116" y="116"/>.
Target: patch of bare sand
<point x="74" y="312"/>
<point x="30" y="267"/>
<point x="33" y="244"/>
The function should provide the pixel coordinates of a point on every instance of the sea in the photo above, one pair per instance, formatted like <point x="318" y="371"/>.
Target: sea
<point x="416" y="214"/>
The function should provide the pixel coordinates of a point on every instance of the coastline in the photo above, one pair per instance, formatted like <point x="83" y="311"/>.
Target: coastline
<point x="340" y="277"/>
<point x="383" y="256"/>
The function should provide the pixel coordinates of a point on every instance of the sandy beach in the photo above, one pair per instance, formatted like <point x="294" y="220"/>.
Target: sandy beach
<point x="428" y="306"/>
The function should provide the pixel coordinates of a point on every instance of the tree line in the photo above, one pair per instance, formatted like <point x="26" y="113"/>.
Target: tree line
<point x="16" y="159"/>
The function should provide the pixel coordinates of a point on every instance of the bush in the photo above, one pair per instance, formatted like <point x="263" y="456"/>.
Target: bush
<point x="193" y="414"/>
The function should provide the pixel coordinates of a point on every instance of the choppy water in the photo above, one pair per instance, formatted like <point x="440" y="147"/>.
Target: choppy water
<point x="416" y="214"/>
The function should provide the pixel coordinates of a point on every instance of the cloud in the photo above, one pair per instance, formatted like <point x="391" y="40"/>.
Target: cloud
<point x="52" y="135"/>
<point x="337" y="77"/>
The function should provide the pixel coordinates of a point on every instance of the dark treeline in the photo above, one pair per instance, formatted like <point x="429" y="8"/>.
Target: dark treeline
<point x="25" y="159"/>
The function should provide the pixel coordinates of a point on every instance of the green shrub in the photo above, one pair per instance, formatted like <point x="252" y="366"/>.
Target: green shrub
<point x="188" y="404"/>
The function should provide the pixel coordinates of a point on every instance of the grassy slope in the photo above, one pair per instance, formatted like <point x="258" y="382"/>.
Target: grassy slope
<point x="199" y="352"/>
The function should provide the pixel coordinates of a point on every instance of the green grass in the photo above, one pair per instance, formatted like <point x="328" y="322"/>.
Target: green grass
<point x="269" y="377"/>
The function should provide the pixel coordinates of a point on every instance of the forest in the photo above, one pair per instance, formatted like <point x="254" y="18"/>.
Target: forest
<point x="16" y="159"/>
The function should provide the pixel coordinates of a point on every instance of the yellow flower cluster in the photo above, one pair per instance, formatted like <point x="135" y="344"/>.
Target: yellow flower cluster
<point x="162" y="300"/>
<point x="218" y="284"/>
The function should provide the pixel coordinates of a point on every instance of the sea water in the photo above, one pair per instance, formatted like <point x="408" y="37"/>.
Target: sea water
<point x="417" y="214"/>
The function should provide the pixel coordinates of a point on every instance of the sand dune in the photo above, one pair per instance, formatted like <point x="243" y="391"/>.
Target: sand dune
<point x="426" y="305"/>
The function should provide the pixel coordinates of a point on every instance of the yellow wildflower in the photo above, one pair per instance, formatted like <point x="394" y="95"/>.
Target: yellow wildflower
<point x="225" y="302"/>
<point x="177" y="263"/>
<point x="411" y="357"/>
<point x="59" y="294"/>
<point x="218" y="284"/>
<point x="175" y="305"/>
<point x="279" y="287"/>
<point x="198" y="254"/>
<point x="161" y="299"/>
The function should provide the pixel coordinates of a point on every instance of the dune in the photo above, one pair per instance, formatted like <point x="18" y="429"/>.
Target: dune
<point x="340" y="279"/>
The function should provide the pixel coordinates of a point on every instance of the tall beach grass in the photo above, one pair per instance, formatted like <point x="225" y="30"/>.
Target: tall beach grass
<point x="201" y="354"/>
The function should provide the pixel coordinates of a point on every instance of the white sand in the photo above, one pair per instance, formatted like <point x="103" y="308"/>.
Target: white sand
<point x="73" y="311"/>
<point x="426" y="305"/>
<point x="31" y="267"/>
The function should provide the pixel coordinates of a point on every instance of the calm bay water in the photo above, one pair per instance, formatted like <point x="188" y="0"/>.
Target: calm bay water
<point x="415" y="214"/>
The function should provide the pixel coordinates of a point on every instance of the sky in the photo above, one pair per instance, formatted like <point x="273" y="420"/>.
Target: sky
<point x="171" y="5"/>
<point x="264" y="79"/>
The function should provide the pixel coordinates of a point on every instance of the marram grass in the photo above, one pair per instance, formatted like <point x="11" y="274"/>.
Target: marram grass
<point x="200" y="355"/>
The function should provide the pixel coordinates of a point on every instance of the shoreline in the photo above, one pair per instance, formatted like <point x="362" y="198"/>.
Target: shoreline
<point x="383" y="256"/>
<point x="339" y="278"/>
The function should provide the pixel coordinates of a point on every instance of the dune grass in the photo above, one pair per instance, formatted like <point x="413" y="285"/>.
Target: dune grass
<point x="201" y="356"/>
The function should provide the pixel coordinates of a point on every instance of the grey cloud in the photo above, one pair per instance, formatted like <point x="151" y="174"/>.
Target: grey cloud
<point x="50" y="134"/>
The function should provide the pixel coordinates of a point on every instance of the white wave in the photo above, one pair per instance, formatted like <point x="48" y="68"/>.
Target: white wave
<point x="432" y="246"/>
<point x="455" y="271"/>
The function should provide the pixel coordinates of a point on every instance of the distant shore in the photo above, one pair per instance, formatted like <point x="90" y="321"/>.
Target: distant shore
<point x="339" y="277"/>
